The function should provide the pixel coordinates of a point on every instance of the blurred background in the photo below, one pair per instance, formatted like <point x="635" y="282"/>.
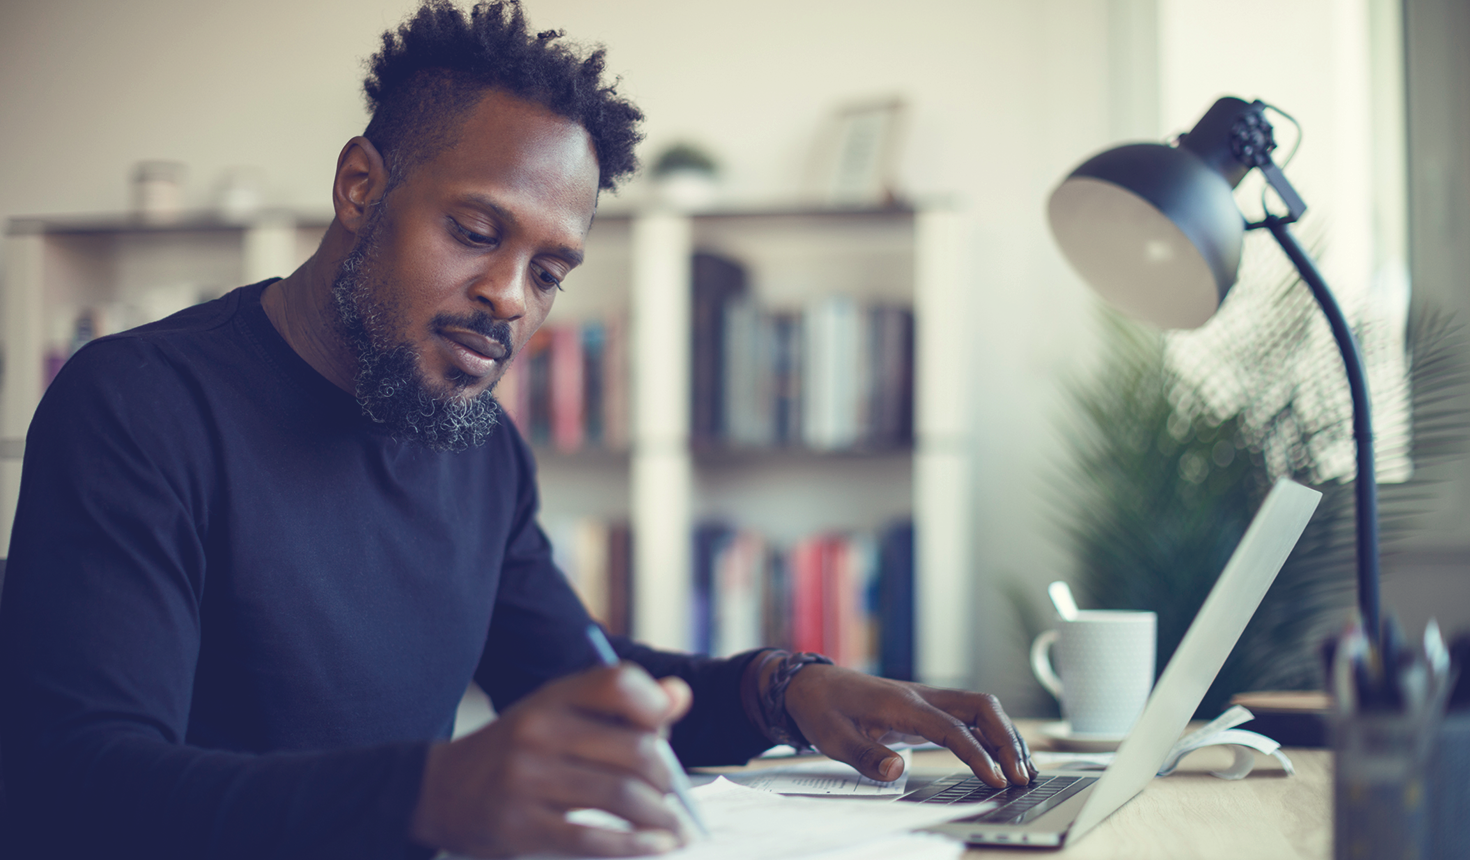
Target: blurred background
<point x="979" y="108"/>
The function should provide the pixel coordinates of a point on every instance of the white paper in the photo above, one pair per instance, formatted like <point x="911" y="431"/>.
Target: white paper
<point x="1240" y="741"/>
<point x="824" y="778"/>
<point x="1220" y="731"/>
<point x="1047" y="760"/>
<point x="748" y="823"/>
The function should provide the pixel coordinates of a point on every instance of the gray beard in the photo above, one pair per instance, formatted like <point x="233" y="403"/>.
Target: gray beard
<point x="390" y="386"/>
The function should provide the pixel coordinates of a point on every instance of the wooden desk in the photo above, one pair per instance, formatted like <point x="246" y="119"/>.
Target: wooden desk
<point x="1195" y="815"/>
<point x="1191" y="814"/>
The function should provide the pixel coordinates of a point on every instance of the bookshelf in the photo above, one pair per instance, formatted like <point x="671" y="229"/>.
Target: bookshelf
<point x="123" y="272"/>
<point x="793" y="257"/>
<point x="638" y="268"/>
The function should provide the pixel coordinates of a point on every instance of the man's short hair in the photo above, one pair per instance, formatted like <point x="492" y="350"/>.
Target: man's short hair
<point x="439" y="63"/>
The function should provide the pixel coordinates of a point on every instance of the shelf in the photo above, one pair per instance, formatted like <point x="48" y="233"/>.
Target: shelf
<point x="724" y="457"/>
<point x="125" y="223"/>
<point x="637" y="271"/>
<point x="598" y="458"/>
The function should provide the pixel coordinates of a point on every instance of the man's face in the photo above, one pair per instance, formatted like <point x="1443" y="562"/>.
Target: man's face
<point x="458" y="266"/>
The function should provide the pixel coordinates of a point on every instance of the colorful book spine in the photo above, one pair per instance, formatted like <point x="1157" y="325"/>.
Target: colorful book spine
<point x="594" y="384"/>
<point x="615" y="410"/>
<point x="896" y="606"/>
<point x="785" y="385"/>
<point x="568" y="391"/>
<point x="717" y="281"/>
<point x="739" y="573"/>
<point x="808" y="615"/>
<point x="513" y="393"/>
<point x="537" y="356"/>
<point x="846" y="595"/>
<point x="596" y="556"/>
<point x="568" y="386"/>
<point x="620" y="579"/>
<point x="836" y="377"/>
<point x="709" y="541"/>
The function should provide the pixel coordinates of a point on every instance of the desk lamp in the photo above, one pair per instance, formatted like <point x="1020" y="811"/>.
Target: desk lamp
<point x="1154" y="228"/>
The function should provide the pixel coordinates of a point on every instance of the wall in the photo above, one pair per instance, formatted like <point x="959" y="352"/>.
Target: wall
<point x="1005" y="97"/>
<point x="1431" y="575"/>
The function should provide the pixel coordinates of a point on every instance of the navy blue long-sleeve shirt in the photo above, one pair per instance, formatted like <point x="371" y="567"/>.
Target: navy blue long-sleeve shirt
<point x="236" y="612"/>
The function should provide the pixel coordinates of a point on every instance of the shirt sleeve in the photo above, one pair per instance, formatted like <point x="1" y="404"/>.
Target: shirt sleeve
<point x="99" y="639"/>
<point x="538" y="632"/>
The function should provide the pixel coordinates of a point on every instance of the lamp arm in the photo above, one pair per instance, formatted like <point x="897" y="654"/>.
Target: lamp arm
<point x="1366" y="483"/>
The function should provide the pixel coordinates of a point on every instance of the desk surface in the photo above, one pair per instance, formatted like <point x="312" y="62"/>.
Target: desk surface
<point x="1193" y="814"/>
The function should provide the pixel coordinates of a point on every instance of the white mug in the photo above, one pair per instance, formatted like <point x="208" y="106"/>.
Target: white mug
<point x="1104" y="668"/>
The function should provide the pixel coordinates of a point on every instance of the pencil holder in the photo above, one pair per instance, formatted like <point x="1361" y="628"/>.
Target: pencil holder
<point x="1380" y="785"/>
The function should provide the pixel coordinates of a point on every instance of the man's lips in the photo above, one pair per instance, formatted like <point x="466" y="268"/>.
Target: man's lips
<point x="472" y="352"/>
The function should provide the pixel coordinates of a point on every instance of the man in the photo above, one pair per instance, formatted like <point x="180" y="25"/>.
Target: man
<point x="263" y="545"/>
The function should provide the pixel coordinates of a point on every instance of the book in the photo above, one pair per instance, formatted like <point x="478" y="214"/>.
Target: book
<point x="514" y="395"/>
<point x="615" y="383"/>
<point x="785" y="385"/>
<point x="568" y="386"/>
<point x="738" y="577"/>
<point x="833" y="374"/>
<point x="848" y="595"/>
<point x="595" y="554"/>
<point x="537" y="427"/>
<point x="594" y="384"/>
<point x="709" y="540"/>
<point x="747" y="409"/>
<point x="619" y="579"/>
<point x="568" y="392"/>
<point x="776" y="600"/>
<point x="590" y="555"/>
<point x="896" y="603"/>
<point x="808" y="590"/>
<point x="861" y="626"/>
<point x="716" y="281"/>
<point x="890" y="392"/>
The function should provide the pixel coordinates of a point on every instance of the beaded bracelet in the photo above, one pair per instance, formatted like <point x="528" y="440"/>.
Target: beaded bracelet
<point x="779" y="725"/>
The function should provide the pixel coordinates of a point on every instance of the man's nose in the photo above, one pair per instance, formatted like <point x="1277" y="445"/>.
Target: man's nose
<point x="502" y="286"/>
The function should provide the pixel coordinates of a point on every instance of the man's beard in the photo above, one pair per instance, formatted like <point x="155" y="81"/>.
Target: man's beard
<point x="390" y="385"/>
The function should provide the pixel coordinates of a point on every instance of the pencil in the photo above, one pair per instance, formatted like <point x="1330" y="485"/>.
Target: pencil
<point x="682" y="789"/>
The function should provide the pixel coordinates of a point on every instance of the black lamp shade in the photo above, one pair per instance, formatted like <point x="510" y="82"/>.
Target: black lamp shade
<point x="1152" y="228"/>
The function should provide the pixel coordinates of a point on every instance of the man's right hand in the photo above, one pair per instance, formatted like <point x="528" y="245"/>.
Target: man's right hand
<point x="587" y="741"/>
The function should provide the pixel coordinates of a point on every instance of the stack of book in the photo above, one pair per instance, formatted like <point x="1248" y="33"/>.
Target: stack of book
<point x="568" y="386"/>
<point x="836" y="375"/>
<point x="597" y="557"/>
<point x="846" y="595"/>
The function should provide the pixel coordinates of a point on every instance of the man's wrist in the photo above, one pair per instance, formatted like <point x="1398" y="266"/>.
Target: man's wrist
<point x="753" y="681"/>
<point x="775" y="720"/>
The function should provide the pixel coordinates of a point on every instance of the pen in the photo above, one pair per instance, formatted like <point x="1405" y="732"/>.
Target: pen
<point x="682" y="788"/>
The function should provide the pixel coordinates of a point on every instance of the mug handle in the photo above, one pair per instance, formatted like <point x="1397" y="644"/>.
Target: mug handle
<point x="1041" y="663"/>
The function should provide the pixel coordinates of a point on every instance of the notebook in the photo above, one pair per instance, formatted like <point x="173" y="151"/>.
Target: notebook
<point x="1062" y="806"/>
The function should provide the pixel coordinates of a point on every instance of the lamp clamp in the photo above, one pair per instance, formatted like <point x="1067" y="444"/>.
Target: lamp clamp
<point x="1252" y="141"/>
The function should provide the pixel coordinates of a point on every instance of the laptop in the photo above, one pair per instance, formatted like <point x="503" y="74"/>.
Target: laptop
<point x="1061" y="806"/>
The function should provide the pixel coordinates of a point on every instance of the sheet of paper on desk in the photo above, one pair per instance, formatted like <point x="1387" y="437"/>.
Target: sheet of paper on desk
<point x="1048" y="760"/>
<point x="825" y="778"/>
<point x="747" y="823"/>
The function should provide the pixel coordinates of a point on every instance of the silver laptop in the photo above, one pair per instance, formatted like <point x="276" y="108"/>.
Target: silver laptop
<point x="1061" y="806"/>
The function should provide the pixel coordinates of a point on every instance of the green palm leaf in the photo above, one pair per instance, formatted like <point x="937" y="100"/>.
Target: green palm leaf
<point x="1161" y="487"/>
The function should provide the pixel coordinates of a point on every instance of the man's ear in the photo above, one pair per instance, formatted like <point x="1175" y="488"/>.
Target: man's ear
<point x="361" y="179"/>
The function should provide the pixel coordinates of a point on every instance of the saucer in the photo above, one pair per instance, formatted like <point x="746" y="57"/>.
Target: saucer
<point x="1060" y="735"/>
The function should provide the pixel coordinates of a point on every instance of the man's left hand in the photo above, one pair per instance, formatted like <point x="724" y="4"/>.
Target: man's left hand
<point x="846" y="714"/>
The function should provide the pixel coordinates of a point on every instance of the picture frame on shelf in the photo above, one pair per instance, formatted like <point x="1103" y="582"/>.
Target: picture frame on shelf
<point x="857" y="160"/>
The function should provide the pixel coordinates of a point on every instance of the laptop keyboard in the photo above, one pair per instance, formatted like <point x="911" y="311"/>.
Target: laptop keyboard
<point x="1018" y="803"/>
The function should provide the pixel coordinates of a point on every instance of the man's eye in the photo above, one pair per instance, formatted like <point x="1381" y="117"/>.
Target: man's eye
<point x="473" y="238"/>
<point x="547" y="280"/>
